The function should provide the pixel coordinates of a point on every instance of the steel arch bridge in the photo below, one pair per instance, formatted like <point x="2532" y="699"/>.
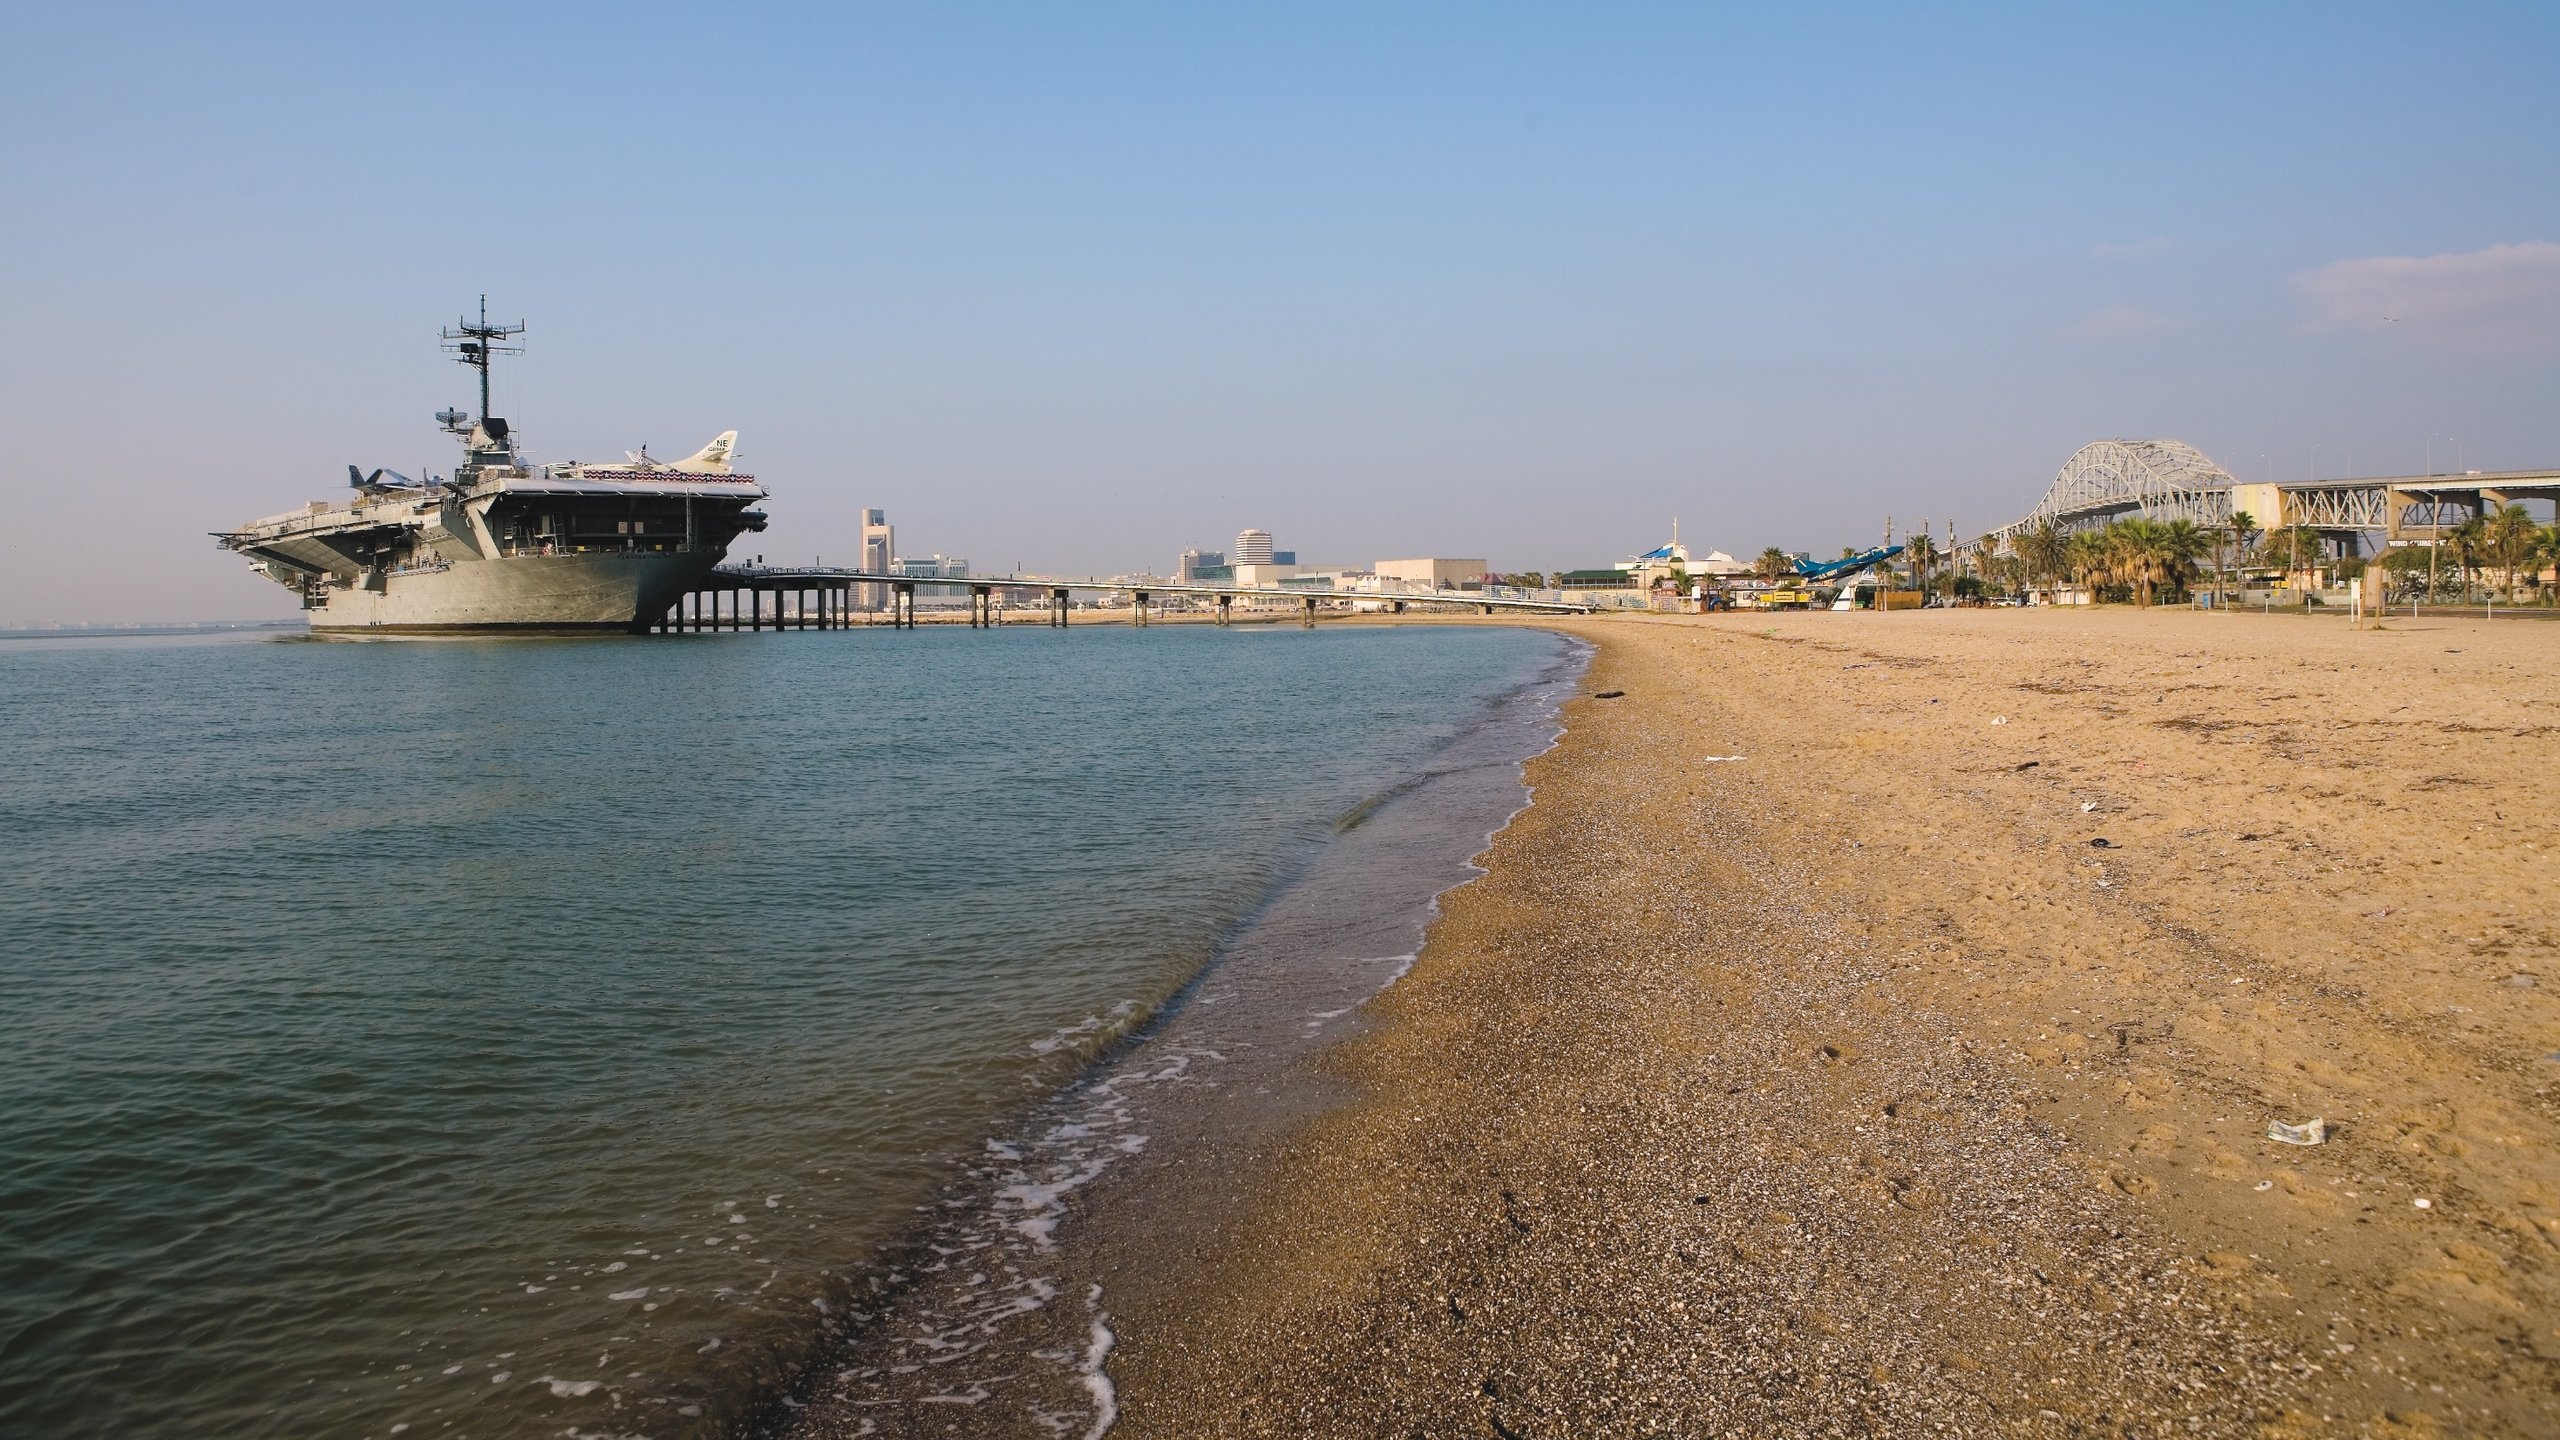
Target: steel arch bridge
<point x="2108" y="479"/>
<point x="2172" y="480"/>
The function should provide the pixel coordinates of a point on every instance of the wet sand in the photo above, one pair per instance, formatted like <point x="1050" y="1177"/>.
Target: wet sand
<point x="1851" y="1087"/>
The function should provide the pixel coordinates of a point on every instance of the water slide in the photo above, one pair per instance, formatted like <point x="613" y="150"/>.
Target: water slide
<point x="1829" y="570"/>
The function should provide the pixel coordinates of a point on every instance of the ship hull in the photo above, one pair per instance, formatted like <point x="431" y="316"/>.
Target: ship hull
<point x="521" y="594"/>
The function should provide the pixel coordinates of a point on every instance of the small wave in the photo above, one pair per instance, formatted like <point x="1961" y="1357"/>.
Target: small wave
<point x="1097" y="1381"/>
<point x="570" y="1389"/>
<point x="1120" y="1020"/>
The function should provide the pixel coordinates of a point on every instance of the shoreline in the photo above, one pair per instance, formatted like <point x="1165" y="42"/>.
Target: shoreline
<point x="1851" y="1083"/>
<point x="996" y="1315"/>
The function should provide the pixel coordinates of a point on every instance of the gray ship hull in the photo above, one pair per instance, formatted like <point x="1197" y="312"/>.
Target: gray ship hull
<point x="523" y="594"/>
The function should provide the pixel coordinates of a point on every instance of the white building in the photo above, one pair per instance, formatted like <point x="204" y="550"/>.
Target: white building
<point x="1433" y="574"/>
<point x="1253" y="547"/>
<point x="1662" y="560"/>
<point x="879" y="552"/>
<point x="938" y="567"/>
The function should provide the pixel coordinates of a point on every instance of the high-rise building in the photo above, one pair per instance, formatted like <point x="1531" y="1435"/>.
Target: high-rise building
<point x="1253" y="547"/>
<point x="879" y="551"/>
<point x="1195" y="563"/>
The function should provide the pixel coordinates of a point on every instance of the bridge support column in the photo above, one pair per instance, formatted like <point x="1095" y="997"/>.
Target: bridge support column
<point x="1138" y="607"/>
<point x="1488" y="609"/>
<point x="1307" y="617"/>
<point x="902" y="606"/>
<point x="1226" y="609"/>
<point x="1058" y="609"/>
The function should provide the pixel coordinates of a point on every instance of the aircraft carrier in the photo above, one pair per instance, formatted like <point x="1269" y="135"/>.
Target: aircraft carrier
<point x="502" y="544"/>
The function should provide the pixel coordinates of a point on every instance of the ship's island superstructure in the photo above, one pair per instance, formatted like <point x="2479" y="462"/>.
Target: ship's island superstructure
<point x="502" y="544"/>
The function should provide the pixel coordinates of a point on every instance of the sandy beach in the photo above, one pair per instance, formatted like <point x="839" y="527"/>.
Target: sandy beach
<point x="1874" y="1027"/>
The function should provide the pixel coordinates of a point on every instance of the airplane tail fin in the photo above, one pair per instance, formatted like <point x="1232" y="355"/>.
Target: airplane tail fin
<point x="712" y="458"/>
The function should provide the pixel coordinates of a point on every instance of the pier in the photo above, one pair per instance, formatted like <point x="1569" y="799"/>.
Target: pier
<point x="757" y="597"/>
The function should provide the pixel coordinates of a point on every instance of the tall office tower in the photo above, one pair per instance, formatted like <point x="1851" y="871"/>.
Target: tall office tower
<point x="1195" y="561"/>
<point x="1253" y="547"/>
<point x="879" y="548"/>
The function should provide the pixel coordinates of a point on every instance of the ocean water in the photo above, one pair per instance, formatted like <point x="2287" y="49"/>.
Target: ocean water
<point x="504" y="1037"/>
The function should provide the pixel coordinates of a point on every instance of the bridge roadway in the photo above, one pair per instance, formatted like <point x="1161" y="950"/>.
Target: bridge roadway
<point x="822" y="598"/>
<point x="2402" y="507"/>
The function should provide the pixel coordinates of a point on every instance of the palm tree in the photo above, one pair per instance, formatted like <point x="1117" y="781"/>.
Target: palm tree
<point x="1921" y="551"/>
<point x="2283" y="549"/>
<point x="2467" y="545"/>
<point x="2511" y="538"/>
<point x="1774" y="563"/>
<point x="2143" y="551"/>
<point x="2188" y="543"/>
<point x="2240" y="528"/>
<point x="2086" y="558"/>
<point x="2039" y="552"/>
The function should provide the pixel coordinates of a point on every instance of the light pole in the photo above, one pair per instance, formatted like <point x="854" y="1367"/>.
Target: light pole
<point x="2435" y="514"/>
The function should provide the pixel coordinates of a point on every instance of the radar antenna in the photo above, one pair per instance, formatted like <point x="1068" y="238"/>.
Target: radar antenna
<point x="473" y="344"/>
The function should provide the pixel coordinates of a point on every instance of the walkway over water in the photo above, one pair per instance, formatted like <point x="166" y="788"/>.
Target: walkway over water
<point x="823" y="598"/>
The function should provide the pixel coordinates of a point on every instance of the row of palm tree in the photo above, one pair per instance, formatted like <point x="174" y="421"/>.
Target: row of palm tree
<point x="2505" y="540"/>
<point x="2150" y="558"/>
<point x="2143" y="555"/>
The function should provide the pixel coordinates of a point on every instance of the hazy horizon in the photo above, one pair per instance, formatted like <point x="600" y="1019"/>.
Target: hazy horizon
<point x="1078" y="290"/>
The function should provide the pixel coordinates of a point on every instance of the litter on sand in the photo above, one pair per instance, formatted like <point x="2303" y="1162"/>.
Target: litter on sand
<point x="2314" y="1131"/>
<point x="1607" y="694"/>
<point x="1711" y="759"/>
<point x="2088" y="805"/>
<point x="1999" y="719"/>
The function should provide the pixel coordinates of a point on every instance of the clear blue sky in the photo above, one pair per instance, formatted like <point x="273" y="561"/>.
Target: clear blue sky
<point x="1078" y="286"/>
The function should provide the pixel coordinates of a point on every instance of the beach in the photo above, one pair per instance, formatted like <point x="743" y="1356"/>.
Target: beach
<point x="1874" y="1026"/>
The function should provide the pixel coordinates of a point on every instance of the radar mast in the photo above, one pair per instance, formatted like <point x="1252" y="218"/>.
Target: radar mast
<point x="473" y="344"/>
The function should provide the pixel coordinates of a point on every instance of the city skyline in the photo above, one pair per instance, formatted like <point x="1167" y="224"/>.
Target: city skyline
<point x="1077" y="290"/>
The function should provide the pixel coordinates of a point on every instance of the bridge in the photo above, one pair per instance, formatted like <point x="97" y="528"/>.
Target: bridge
<point x="733" y="597"/>
<point x="2172" y="480"/>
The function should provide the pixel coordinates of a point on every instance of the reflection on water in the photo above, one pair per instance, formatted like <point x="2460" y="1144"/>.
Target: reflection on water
<point x="484" y="1037"/>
